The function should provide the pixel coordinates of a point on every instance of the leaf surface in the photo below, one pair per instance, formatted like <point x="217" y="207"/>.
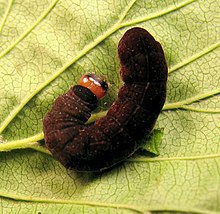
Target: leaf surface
<point x="45" y="46"/>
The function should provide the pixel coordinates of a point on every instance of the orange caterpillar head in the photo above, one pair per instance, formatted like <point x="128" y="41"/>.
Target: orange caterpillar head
<point x="95" y="84"/>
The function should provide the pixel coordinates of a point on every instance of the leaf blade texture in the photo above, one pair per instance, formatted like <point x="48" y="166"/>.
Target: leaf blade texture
<point x="45" y="46"/>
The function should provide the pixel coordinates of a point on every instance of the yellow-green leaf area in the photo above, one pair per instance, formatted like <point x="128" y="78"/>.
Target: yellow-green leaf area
<point x="45" y="46"/>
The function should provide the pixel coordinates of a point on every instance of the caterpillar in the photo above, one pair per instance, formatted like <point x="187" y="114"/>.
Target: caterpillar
<point x="116" y="136"/>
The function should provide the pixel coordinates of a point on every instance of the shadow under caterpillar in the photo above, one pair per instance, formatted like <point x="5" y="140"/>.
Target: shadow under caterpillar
<point x="116" y="136"/>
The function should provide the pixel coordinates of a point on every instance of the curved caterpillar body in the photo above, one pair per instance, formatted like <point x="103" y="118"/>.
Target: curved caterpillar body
<point x="114" y="137"/>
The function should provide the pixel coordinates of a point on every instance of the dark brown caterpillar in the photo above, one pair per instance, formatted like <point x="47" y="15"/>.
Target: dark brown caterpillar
<point x="114" y="137"/>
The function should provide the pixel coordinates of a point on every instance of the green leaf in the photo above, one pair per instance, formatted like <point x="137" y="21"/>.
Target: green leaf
<point x="46" y="45"/>
<point x="153" y="144"/>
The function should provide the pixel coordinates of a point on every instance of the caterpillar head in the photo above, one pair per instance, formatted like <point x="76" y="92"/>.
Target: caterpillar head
<point x="97" y="85"/>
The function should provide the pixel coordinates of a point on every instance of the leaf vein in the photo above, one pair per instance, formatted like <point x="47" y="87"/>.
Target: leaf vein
<point x="135" y="208"/>
<point x="186" y="158"/>
<point x="217" y="110"/>
<point x="29" y="30"/>
<point x="7" y="195"/>
<point x="158" y="14"/>
<point x="83" y="52"/>
<point x="6" y="15"/>
<point x="194" y="57"/>
<point x="181" y="104"/>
